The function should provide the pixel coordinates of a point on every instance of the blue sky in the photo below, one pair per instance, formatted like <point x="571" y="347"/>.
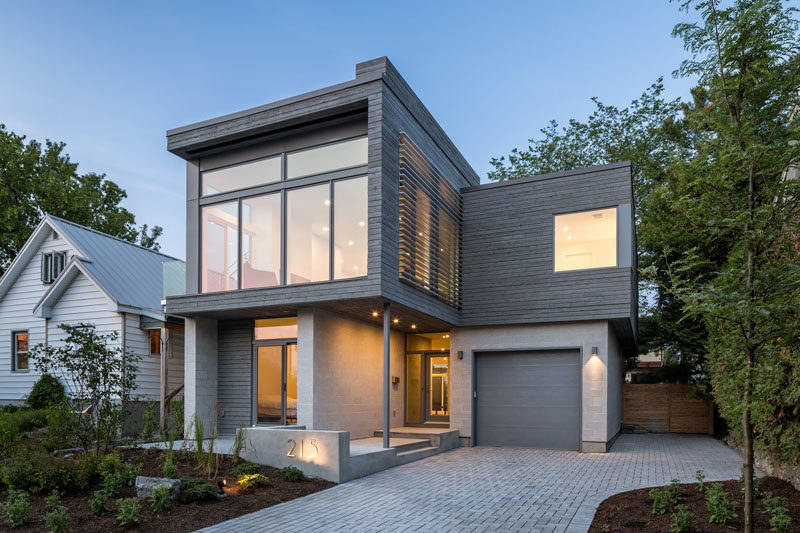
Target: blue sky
<point x="109" y="78"/>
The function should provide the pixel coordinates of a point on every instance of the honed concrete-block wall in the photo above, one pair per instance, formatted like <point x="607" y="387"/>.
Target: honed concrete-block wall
<point x="616" y="372"/>
<point x="581" y="335"/>
<point x="200" y="371"/>
<point x="340" y="374"/>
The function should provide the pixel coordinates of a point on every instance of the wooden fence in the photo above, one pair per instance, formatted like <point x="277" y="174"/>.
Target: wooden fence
<point x="666" y="408"/>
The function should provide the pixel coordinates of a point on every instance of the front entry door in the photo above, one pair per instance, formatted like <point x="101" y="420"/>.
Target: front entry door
<point x="438" y="387"/>
<point x="276" y="383"/>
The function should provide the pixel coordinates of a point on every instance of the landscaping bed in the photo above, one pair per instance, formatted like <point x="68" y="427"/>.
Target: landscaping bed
<point x="631" y="511"/>
<point x="180" y="516"/>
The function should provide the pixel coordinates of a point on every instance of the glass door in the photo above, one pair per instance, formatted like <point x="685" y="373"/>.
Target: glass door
<point x="276" y="383"/>
<point x="438" y="391"/>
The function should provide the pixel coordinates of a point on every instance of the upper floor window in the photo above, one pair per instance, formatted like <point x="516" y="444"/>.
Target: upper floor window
<point x="19" y="359"/>
<point x="242" y="176"/>
<point x="327" y="158"/>
<point x="587" y="239"/>
<point x="52" y="265"/>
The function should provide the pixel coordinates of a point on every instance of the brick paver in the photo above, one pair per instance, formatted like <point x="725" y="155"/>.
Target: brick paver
<point x="497" y="489"/>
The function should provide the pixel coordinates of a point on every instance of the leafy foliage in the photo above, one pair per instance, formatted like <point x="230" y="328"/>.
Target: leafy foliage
<point x="98" y="503"/>
<point x="720" y="509"/>
<point x="673" y="491"/>
<point x="100" y="376"/>
<point x="252" y="481"/>
<point x="128" y="512"/>
<point x="246" y="469"/>
<point x="35" y="470"/>
<point x="159" y="499"/>
<point x="170" y="470"/>
<point x="17" y="508"/>
<point x="37" y="179"/>
<point x="682" y="520"/>
<point x="46" y="392"/>
<point x="701" y="478"/>
<point x="56" y="519"/>
<point x="661" y="504"/>
<point x="291" y="473"/>
<point x="149" y="421"/>
<point x="776" y="507"/>
<point x="193" y="489"/>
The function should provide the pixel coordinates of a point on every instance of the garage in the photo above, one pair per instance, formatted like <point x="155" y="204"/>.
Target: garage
<point x="528" y="398"/>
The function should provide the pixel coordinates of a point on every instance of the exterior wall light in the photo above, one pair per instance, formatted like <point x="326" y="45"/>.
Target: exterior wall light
<point x="413" y="326"/>
<point x="594" y="351"/>
<point x="375" y="314"/>
<point x="396" y="320"/>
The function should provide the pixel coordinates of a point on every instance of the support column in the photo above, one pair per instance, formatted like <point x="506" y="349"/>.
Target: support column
<point x="387" y="334"/>
<point x="166" y="345"/>
<point x="200" y="375"/>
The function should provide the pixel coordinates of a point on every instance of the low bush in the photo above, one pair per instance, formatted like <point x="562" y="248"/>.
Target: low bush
<point x="98" y="503"/>
<point x="775" y="506"/>
<point x="720" y="508"/>
<point x="128" y="512"/>
<point x="193" y="490"/>
<point x="46" y="392"/>
<point x="159" y="499"/>
<point x="661" y="503"/>
<point x="149" y="421"/>
<point x="37" y="471"/>
<point x="673" y="491"/>
<point x="291" y="473"/>
<point x="110" y="464"/>
<point x="170" y="470"/>
<point x="245" y="469"/>
<point x="62" y="428"/>
<point x="30" y="419"/>
<point x="112" y="482"/>
<point x="682" y="520"/>
<point x="701" y="481"/>
<point x="17" y="508"/>
<point x="253" y="481"/>
<point x="56" y="519"/>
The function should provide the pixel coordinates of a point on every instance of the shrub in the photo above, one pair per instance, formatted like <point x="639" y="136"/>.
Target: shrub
<point x="35" y="471"/>
<point x="193" y="489"/>
<point x="98" y="503"/>
<point x="32" y="419"/>
<point x="159" y="499"/>
<point x="253" y="481"/>
<point x="61" y="428"/>
<point x="781" y="522"/>
<point x="128" y="474"/>
<point x="57" y="519"/>
<point x="682" y="520"/>
<point x="660" y="501"/>
<point x="673" y="491"/>
<point x="46" y="392"/>
<point x="772" y="504"/>
<point x="17" y="508"/>
<point x="701" y="478"/>
<point x="149" y="421"/>
<point x="9" y="427"/>
<point x="170" y="470"/>
<point x="775" y="506"/>
<point x="128" y="512"/>
<point x="245" y="469"/>
<point x="720" y="508"/>
<point x="112" y="482"/>
<point x="110" y="464"/>
<point x="291" y="473"/>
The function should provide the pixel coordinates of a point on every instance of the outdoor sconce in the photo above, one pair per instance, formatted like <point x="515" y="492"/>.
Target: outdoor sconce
<point x="395" y="380"/>
<point x="594" y="351"/>
<point x="460" y="354"/>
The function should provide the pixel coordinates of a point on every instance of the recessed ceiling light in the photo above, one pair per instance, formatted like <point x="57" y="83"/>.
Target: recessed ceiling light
<point x="349" y="243"/>
<point x="566" y="228"/>
<point x="325" y="228"/>
<point x="569" y="237"/>
<point x="355" y="268"/>
<point x="361" y="223"/>
<point x="327" y="202"/>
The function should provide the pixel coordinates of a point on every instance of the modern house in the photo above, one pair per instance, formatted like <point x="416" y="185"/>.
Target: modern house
<point x="70" y="274"/>
<point x="347" y="272"/>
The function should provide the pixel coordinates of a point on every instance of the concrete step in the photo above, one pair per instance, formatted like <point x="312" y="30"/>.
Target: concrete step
<point x="436" y="437"/>
<point x="415" y="455"/>
<point x="405" y="447"/>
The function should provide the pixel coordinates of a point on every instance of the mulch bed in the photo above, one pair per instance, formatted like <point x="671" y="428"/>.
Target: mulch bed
<point x="630" y="511"/>
<point x="180" y="517"/>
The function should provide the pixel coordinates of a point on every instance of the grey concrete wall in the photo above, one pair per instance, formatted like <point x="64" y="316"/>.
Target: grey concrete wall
<point x="581" y="335"/>
<point x="200" y="371"/>
<point x="616" y="376"/>
<point x="340" y="374"/>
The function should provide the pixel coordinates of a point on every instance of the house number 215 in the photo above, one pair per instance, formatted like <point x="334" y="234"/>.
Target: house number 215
<point x="293" y="448"/>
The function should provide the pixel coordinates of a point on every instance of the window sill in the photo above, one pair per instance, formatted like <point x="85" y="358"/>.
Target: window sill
<point x="25" y="371"/>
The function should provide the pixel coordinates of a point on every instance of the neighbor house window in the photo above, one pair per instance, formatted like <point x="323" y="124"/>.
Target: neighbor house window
<point x="308" y="234"/>
<point x="155" y="341"/>
<point x="586" y="240"/>
<point x="276" y="328"/>
<point x="327" y="158"/>
<point x="220" y="247"/>
<point x="19" y="359"/>
<point x="52" y="265"/>
<point x="242" y="176"/>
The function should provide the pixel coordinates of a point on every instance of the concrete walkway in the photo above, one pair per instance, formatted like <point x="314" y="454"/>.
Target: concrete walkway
<point x="497" y="489"/>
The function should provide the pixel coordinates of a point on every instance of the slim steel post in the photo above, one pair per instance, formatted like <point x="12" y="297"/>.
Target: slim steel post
<point x="387" y="330"/>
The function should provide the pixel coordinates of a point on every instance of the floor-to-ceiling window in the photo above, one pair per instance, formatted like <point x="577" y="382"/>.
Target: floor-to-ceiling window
<point x="275" y="362"/>
<point x="297" y="217"/>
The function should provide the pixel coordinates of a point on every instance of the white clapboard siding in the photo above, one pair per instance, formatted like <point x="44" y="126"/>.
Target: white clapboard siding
<point x="148" y="377"/>
<point x="16" y="314"/>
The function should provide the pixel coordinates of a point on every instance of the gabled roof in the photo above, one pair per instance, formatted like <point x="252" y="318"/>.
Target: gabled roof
<point x="131" y="275"/>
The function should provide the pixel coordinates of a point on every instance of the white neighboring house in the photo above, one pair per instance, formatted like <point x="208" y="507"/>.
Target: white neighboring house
<point x="67" y="274"/>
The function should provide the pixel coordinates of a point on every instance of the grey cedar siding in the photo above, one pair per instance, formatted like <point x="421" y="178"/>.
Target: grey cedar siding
<point x="508" y="275"/>
<point x="234" y="375"/>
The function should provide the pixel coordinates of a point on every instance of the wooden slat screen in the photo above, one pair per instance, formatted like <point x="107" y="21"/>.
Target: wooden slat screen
<point x="666" y="408"/>
<point x="430" y="226"/>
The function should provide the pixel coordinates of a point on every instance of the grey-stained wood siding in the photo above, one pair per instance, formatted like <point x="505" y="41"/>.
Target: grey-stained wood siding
<point x="234" y="375"/>
<point x="507" y="250"/>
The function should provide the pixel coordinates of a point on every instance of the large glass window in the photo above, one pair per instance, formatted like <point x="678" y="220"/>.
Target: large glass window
<point x="261" y="241"/>
<point x="350" y="228"/>
<point x="220" y="247"/>
<point x="242" y="176"/>
<point x="276" y="328"/>
<point x="308" y="233"/>
<point x="586" y="240"/>
<point x="327" y="158"/>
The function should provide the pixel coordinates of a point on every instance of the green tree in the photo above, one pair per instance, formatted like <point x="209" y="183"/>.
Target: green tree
<point x="100" y="377"/>
<point x="37" y="179"/>
<point x="734" y="188"/>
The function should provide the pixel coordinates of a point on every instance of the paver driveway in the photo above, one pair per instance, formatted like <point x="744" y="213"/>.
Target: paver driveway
<point x="497" y="489"/>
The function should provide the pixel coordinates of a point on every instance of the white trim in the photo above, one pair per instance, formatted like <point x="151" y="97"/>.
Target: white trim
<point x="43" y="308"/>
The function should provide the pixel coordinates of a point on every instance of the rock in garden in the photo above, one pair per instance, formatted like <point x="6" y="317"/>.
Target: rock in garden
<point x="145" y="486"/>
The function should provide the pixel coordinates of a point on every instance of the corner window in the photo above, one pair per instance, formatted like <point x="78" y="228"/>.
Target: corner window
<point x="19" y="359"/>
<point x="587" y="239"/>
<point x="52" y="265"/>
<point x="155" y="341"/>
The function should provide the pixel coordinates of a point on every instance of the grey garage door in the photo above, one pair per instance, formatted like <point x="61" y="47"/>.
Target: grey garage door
<point x="528" y="399"/>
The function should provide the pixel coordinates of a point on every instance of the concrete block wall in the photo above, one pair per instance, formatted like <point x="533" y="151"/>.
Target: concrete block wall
<point x="340" y="374"/>
<point x="200" y="371"/>
<point x="594" y="374"/>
